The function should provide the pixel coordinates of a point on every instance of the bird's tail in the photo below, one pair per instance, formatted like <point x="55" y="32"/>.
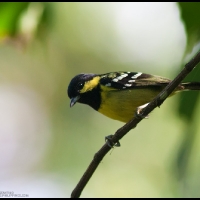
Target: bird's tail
<point x="191" y="86"/>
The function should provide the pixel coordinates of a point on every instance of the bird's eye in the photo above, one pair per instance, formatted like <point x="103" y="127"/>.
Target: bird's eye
<point x="79" y="86"/>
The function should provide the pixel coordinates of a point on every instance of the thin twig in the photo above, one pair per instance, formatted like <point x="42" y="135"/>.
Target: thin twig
<point x="157" y="101"/>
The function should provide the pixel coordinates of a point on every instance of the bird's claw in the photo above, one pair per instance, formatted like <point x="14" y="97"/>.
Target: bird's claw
<point x="138" y="113"/>
<point x="110" y="143"/>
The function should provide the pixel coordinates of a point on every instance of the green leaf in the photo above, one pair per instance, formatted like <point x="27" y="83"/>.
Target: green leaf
<point x="190" y="14"/>
<point x="188" y="100"/>
<point x="9" y="15"/>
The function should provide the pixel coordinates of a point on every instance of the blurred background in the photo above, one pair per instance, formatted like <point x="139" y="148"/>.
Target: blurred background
<point x="45" y="146"/>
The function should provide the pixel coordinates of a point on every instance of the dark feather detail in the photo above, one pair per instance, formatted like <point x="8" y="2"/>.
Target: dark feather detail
<point x="132" y="80"/>
<point x="191" y="86"/>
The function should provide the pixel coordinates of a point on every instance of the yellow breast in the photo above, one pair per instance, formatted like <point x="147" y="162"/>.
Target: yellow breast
<point x="122" y="104"/>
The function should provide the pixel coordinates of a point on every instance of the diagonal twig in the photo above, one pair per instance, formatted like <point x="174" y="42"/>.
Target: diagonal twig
<point x="157" y="101"/>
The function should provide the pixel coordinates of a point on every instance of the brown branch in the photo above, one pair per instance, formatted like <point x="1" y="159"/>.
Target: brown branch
<point x="157" y="101"/>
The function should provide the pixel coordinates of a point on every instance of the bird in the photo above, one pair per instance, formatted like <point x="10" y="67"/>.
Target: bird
<point x="119" y="95"/>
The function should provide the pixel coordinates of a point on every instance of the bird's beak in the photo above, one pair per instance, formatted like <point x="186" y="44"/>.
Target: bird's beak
<point x="74" y="100"/>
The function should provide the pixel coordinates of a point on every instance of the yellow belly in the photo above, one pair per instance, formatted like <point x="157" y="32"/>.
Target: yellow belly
<point x="121" y="105"/>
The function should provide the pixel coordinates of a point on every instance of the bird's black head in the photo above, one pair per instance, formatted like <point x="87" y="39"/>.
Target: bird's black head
<point x="84" y="88"/>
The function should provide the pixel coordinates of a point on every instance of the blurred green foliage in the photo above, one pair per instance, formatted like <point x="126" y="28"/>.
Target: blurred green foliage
<point x="10" y="14"/>
<point x="191" y="18"/>
<point x="188" y="103"/>
<point x="22" y="21"/>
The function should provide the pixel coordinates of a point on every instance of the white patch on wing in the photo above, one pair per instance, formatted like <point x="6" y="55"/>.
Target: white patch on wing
<point x="122" y="76"/>
<point x="136" y="75"/>
<point x="115" y="80"/>
<point x="128" y="85"/>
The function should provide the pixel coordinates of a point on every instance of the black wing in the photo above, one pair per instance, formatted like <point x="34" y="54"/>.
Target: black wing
<point x="132" y="80"/>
